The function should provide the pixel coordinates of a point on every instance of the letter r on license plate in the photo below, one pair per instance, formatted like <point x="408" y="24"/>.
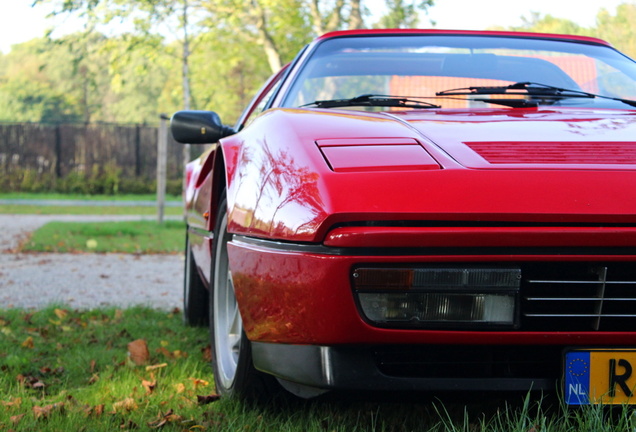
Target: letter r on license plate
<point x="600" y="376"/>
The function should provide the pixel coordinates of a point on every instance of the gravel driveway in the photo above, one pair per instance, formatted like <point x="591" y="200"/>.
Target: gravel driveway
<point x="82" y="281"/>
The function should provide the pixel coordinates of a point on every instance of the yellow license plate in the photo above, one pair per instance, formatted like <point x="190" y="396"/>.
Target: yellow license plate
<point x="600" y="377"/>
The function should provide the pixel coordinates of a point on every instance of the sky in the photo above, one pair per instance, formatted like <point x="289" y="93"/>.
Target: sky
<point x="19" y="22"/>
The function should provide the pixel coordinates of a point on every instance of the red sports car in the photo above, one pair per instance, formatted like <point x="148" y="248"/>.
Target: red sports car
<point x="421" y="210"/>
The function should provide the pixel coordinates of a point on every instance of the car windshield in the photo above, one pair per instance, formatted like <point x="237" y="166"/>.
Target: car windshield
<point x="423" y="65"/>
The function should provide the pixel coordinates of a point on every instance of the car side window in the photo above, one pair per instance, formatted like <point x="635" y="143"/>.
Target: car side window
<point x="262" y="99"/>
<point x="262" y="104"/>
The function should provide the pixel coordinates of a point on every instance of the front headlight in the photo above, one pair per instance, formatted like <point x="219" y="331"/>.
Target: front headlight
<point x="438" y="296"/>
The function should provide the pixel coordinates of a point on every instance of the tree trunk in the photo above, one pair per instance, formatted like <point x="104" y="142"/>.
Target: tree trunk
<point x="316" y="17"/>
<point x="271" y="50"/>
<point x="185" y="57"/>
<point x="355" y="17"/>
<point x="335" y="19"/>
<point x="185" y="75"/>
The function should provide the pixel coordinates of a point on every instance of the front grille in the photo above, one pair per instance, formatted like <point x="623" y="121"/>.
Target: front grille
<point x="578" y="297"/>
<point x="448" y="361"/>
<point x="567" y="152"/>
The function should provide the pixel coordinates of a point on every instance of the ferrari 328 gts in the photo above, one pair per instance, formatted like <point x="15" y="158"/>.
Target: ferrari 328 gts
<point x="421" y="210"/>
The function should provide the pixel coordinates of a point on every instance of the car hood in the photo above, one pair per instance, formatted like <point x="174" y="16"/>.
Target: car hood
<point x="530" y="138"/>
<point x="295" y="173"/>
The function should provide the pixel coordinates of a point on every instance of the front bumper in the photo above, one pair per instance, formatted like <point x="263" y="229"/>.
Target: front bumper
<point x="302" y="295"/>
<point x="426" y="368"/>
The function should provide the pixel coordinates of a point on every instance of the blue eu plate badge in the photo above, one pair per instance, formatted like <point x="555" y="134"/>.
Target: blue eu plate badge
<point x="577" y="378"/>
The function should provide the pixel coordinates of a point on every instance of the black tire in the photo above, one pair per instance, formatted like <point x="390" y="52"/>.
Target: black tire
<point x="195" y="293"/>
<point x="234" y="372"/>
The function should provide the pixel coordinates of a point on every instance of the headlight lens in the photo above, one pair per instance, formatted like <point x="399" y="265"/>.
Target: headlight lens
<point x="438" y="296"/>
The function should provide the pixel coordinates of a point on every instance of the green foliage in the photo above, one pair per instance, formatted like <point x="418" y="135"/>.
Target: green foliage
<point x="123" y="198"/>
<point x="107" y="181"/>
<point x="106" y="237"/>
<point x="26" y="100"/>
<point x="403" y="13"/>
<point x="549" y="24"/>
<point x="134" y="76"/>
<point x="619" y="29"/>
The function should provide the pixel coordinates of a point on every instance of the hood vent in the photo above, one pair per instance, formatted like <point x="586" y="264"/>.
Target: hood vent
<point x="562" y="153"/>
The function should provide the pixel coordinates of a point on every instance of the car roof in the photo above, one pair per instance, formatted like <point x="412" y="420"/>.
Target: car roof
<point x="384" y="32"/>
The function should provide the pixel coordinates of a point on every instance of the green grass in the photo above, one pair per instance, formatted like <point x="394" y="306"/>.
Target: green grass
<point x="121" y="237"/>
<point x="86" y="210"/>
<point x="67" y="370"/>
<point x="64" y="370"/>
<point x="20" y="208"/>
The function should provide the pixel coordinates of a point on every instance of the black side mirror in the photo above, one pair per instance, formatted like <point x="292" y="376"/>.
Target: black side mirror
<point x="198" y="127"/>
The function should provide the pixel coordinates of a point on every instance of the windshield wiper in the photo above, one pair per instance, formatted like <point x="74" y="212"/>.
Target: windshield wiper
<point x="374" y="100"/>
<point x="531" y="89"/>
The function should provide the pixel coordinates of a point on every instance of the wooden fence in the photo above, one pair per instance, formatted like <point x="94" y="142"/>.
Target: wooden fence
<point x="65" y="148"/>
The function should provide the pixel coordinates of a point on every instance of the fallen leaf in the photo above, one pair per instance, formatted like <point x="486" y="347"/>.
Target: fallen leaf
<point x="15" y="402"/>
<point x="16" y="418"/>
<point x="208" y="399"/>
<point x="149" y="385"/>
<point x="207" y="354"/>
<point x="93" y="379"/>
<point x="163" y="419"/>
<point x="157" y="366"/>
<point x="94" y="411"/>
<point x="166" y="353"/>
<point x="61" y="313"/>
<point x="45" y="411"/>
<point x="180" y="387"/>
<point x="199" y="382"/>
<point x="98" y="409"/>
<point x="30" y="381"/>
<point x="129" y="424"/>
<point x="138" y="351"/>
<point x="127" y="404"/>
<point x="28" y="343"/>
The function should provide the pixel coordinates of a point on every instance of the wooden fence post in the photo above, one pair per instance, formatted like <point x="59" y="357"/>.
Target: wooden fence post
<point x="162" y="162"/>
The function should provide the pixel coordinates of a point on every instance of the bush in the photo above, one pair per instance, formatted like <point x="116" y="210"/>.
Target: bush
<point x="106" y="181"/>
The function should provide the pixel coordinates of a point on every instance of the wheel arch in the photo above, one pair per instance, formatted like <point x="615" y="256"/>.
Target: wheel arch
<point x="219" y="184"/>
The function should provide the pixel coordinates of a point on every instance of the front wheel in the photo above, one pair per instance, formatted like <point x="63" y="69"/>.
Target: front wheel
<point x="234" y="372"/>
